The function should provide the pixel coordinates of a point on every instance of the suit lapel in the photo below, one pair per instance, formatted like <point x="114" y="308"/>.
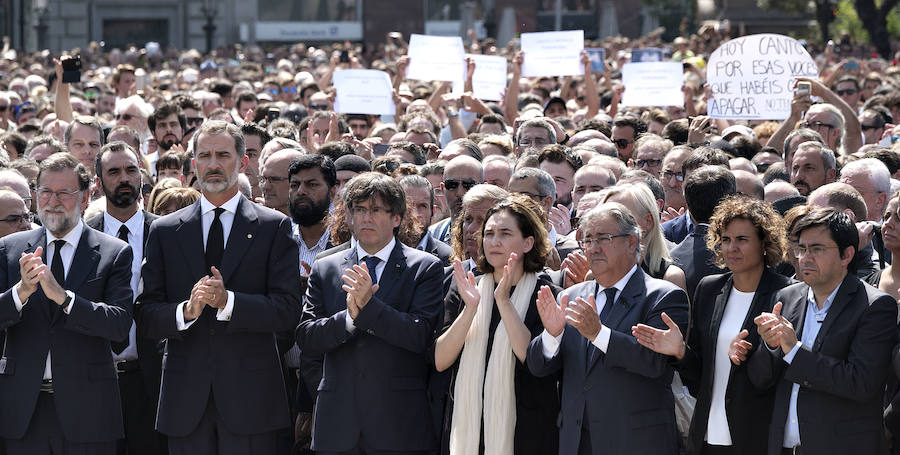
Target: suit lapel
<point x="795" y="311"/>
<point x="84" y="262"/>
<point x="190" y="241"/>
<point x="717" y="311"/>
<point x="393" y="270"/>
<point x="623" y="305"/>
<point x="848" y="288"/>
<point x="241" y="237"/>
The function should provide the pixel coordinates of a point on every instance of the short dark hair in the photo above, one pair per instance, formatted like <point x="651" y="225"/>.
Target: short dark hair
<point x="17" y="141"/>
<point x="417" y="152"/>
<point x="169" y="160"/>
<point x="469" y="146"/>
<point x="840" y="226"/>
<point x="704" y="156"/>
<point x="847" y="78"/>
<point x="164" y="111"/>
<point x="889" y="157"/>
<point x="335" y="150"/>
<point x="49" y="141"/>
<point x="558" y="153"/>
<point x="113" y="147"/>
<point x="131" y="132"/>
<point x="322" y="162"/>
<point x="216" y="127"/>
<point x="705" y="188"/>
<point x="62" y="161"/>
<point x="637" y="125"/>
<point x="368" y="185"/>
<point x="646" y="178"/>
<point x="85" y="120"/>
<point x="253" y="129"/>
<point x="676" y="131"/>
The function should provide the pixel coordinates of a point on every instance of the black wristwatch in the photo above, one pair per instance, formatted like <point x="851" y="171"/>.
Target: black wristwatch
<point x="66" y="302"/>
<point x="565" y="139"/>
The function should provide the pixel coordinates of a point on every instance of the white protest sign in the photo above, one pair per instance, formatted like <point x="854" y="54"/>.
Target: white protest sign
<point x="363" y="92"/>
<point x="489" y="80"/>
<point x="436" y="58"/>
<point x="552" y="53"/>
<point x="653" y="84"/>
<point x="752" y="77"/>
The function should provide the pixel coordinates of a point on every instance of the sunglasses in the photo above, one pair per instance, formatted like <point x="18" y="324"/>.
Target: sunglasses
<point x="849" y="91"/>
<point x="194" y="120"/>
<point x="869" y="127"/>
<point x="289" y="90"/>
<point x="622" y="143"/>
<point x="453" y="184"/>
<point x="318" y="107"/>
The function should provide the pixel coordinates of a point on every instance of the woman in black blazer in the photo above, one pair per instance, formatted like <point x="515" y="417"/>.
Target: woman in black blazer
<point x="731" y="416"/>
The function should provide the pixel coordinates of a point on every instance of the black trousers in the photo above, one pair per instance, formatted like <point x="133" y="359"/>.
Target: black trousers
<point x="213" y="437"/>
<point x="139" y="415"/>
<point x="45" y="437"/>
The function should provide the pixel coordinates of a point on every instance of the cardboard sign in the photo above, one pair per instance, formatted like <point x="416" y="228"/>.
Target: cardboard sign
<point x="752" y="77"/>
<point x="552" y="53"/>
<point x="436" y="58"/>
<point x="489" y="80"/>
<point x="363" y="92"/>
<point x="653" y="84"/>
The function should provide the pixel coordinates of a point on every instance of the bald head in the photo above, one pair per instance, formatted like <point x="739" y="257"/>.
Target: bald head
<point x="749" y="184"/>
<point x="779" y="189"/>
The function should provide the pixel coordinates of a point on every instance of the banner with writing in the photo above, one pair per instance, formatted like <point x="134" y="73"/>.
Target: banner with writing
<point x="752" y="77"/>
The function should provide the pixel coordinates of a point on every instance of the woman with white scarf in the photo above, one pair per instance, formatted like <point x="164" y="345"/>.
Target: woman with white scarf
<point x="496" y="406"/>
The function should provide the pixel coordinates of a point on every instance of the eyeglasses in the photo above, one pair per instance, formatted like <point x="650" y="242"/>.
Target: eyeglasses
<point x="272" y="180"/>
<point x="16" y="219"/>
<point x="194" y="120"/>
<point x="365" y="211"/>
<point x="869" y="127"/>
<point x="599" y="240"/>
<point x="289" y="89"/>
<point x="816" y="125"/>
<point x="849" y="91"/>
<point x="66" y="196"/>
<point x="535" y="196"/>
<point x="126" y="117"/>
<point x="622" y="143"/>
<point x="453" y="184"/>
<point x="673" y="175"/>
<point x="648" y="163"/>
<point x="536" y="142"/>
<point x="318" y="107"/>
<point x="273" y="91"/>
<point x="812" y="250"/>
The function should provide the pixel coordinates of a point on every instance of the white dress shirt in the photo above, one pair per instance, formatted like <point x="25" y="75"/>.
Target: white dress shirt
<point x="67" y="253"/>
<point x="551" y="343"/>
<point x="135" y="226"/>
<point x="308" y="253"/>
<point x="384" y="254"/>
<point x="227" y="220"/>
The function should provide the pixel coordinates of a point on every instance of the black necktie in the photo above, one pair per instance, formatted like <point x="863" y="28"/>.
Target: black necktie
<point x="215" y="242"/>
<point x="123" y="233"/>
<point x="371" y="263"/>
<point x="607" y="308"/>
<point x="57" y="268"/>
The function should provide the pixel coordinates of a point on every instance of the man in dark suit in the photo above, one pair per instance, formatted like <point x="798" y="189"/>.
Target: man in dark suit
<point x="61" y="310"/>
<point x="420" y="196"/>
<point x="138" y="360"/>
<point x="371" y="311"/>
<point x="539" y="186"/>
<point x="703" y="190"/>
<point x="827" y="347"/>
<point x="221" y="278"/>
<point x="678" y="228"/>
<point x="588" y="336"/>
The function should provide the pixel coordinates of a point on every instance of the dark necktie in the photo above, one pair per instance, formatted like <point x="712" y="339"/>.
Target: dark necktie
<point x="215" y="242"/>
<point x="119" y="346"/>
<point x="123" y="233"/>
<point x="58" y="271"/>
<point x="607" y="308"/>
<point x="371" y="263"/>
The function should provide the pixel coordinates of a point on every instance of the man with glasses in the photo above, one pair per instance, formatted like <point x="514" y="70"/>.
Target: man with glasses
<point x="540" y="187"/>
<point x="67" y="299"/>
<point x="672" y="178"/>
<point x="371" y="311"/>
<point x="534" y="133"/>
<point x="14" y="214"/>
<point x="625" y="130"/>
<point x="274" y="180"/>
<point x="827" y="347"/>
<point x="608" y="379"/>
<point x="138" y="360"/>
<point x="460" y="175"/>
<point x="14" y="180"/>
<point x="847" y="87"/>
<point x="649" y="152"/>
<point x="872" y="121"/>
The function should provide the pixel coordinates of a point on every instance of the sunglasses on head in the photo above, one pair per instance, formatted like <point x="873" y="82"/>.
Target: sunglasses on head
<point x="452" y="184"/>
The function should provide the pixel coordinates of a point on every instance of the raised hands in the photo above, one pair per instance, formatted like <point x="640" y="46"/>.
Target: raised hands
<point x="465" y="284"/>
<point x="553" y="316"/>
<point x="582" y="314"/>
<point x="576" y="268"/>
<point x="501" y="292"/>
<point x="667" y="342"/>
<point x="359" y="287"/>
<point x="739" y="348"/>
<point x="31" y="269"/>
<point x="776" y="330"/>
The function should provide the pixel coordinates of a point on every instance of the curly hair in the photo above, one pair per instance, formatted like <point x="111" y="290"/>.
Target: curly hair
<point x="527" y="215"/>
<point x="768" y="223"/>
<point x="408" y="233"/>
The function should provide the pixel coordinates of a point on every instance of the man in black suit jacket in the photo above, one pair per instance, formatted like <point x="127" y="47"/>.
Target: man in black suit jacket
<point x="371" y="311"/>
<point x="220" y="305"/>
<point x="588" y="337"/>
<point x="703" y="190"/>
<point x="138" y="360"/>
<point x="67" y="296"/>
<point x="420" y="196"/>
<point x="827" y="347"/>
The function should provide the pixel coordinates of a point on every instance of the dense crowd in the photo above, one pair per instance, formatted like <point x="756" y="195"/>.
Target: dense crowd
<point x="200" y="256"/>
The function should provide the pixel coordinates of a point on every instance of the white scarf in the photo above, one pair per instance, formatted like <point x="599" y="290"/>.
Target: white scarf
<point x="496" y="386"/>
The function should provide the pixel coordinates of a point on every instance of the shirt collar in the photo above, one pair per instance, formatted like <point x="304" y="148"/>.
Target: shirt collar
<point x="134" y="224"/>
<point x="423" y="244"/>
<point x="230" y="205"/>
<point x="384" y="254"/>
<point x="811" y="300"/>
<point x="322" y="240"/>
<point x="620" y="285"/>
<point x="71" y="238"/>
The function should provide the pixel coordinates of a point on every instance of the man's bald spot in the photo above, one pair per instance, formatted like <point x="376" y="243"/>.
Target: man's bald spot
<point x="464" y="164"/>
<point x="583" y="136"/>
<point x="284" y="154"/>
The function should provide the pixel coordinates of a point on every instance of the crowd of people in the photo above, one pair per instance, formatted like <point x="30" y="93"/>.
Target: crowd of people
<point x="199" y="256"/>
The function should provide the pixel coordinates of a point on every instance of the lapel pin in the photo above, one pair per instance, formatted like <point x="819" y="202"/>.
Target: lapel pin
<point x="249" y="236"/>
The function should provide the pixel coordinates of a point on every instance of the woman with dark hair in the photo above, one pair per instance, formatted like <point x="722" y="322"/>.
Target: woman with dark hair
<point x="731" y="416"/>
<point x="888" y="280"/>
<point x="495" y="405"/>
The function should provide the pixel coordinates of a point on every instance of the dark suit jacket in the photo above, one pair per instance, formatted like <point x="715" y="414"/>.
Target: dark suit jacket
<point x="678" y="228"/>
<point x="695" y="258"/>
<point x="565" y="245"/>
<point x="841" y="379"/>
<point x="149" y="351"/>
<point x="438" y="249"/>
<point x="84" y="377"/>
<point x="374" y="379"/>
<point x="625" y="395"/>
<point x="747" y="408"/>
<point x="238" y="360"/>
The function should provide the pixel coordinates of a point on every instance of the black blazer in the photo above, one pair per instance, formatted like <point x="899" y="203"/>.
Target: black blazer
<point x="149" y="351"/>
<point x="438" y="249"/>
<point x="747" y="408"/>
<point x="373" y="384"/>
<point x="236" y="360"/>
<point x="84" y="377"/>
<point x="842" y="379"/>
<point x="692" y="256"/>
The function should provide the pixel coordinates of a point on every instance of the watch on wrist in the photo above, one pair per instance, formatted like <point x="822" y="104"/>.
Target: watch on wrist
<point x="66" y="302"/>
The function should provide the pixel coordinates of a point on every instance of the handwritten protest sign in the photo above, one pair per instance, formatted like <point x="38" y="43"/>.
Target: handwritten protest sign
<point x="489" y="80"/>
<point x="363" y="92"/>
<point x="436" y="58"/>
<point x="597" y="55"/>
<point x="553" y="53"/>
<point x="652" y="84"/>
<point x="752" y="77"/>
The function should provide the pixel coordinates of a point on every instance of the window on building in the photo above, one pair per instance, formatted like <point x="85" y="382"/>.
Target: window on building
<point x="310" y="11"/>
